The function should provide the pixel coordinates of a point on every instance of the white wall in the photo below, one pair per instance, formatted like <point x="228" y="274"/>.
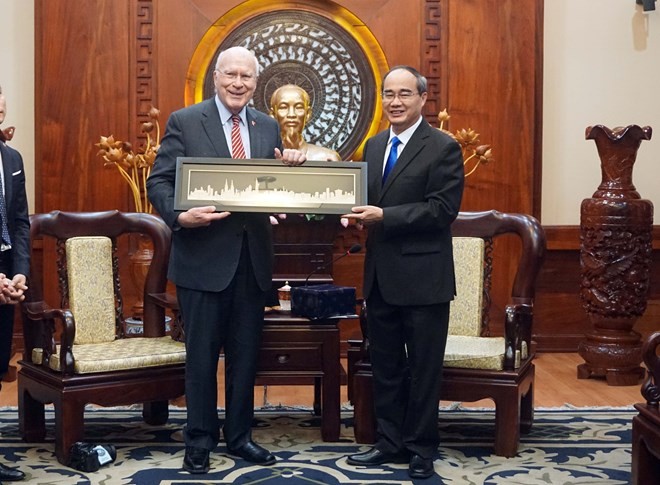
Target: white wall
<point x="17" y="79"/>
<point x="602" y="66"/>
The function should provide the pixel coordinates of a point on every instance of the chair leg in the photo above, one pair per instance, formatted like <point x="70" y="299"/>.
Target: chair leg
<point x="645" y="467"/>
<point x="155" y="413"/>
<point x="317" y="396"/>
<point x="507" y="425"/>
<point x="31" y="416"/>
<point x="364" y="419"/>
<point x="353" y="356"/>
<point x="69" y="427"/>
<point x="527" y="411"/>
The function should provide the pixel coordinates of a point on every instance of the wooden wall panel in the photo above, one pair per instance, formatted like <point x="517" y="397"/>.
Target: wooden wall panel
<point x="493" y="87"/>
<point x="487" y="66"/>
<point x="99" y="63"/>
<point x="82" y="91"/>
<point x="181" y="26"/>
<point x="491" y="70"/>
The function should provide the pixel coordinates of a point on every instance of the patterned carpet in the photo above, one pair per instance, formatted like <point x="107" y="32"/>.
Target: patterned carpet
<point x="566" y="446"/>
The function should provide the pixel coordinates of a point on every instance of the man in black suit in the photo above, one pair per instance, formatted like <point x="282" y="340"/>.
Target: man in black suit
<point x="221" y="263"/>
<point x="409" y="271"/>
<point x="14" y="253"/>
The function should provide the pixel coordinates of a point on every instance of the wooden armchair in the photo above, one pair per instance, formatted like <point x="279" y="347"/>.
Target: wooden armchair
<point x="93" y="362"/>
<point x="477" y="366"/>
<point x="646" y="425"/>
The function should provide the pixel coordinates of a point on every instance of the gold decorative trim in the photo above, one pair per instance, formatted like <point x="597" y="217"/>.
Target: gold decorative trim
<point x="372" y="55"/>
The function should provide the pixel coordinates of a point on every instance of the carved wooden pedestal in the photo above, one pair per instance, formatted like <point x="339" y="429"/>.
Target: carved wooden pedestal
<point x="615" y="258"/>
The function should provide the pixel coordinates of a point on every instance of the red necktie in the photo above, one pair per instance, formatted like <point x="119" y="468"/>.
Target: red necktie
<point x="237" y="150"/>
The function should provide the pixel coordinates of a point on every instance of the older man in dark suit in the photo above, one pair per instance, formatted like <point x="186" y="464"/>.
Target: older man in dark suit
<point x="14" y="253"/>
<point x="221" y="263"/>
<point x="415" y="188"/>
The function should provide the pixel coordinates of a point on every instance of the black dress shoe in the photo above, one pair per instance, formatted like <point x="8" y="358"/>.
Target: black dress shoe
<point x="420" y="467"/>
<point x="196" y="460"/>
<point x="253" y="453"/>
<point x="375" y="457"/>
<point x="10" y="474"/>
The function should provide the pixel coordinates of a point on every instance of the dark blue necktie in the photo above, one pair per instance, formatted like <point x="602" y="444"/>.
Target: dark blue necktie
<point x="391" y="158"/>
<point x="3" y="215"/>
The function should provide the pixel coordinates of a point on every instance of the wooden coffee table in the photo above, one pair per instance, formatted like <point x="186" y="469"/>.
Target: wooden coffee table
<point x="296" y="350"/>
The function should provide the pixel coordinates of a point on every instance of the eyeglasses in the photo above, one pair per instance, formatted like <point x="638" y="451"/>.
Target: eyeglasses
<point x="404" y="95"/>
<point x="234" y="76"/>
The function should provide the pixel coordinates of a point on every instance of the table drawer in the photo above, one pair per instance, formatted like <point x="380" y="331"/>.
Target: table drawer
<point x="287" y="358"/>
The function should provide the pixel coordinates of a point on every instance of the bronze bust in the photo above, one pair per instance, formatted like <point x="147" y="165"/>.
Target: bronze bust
<point x="290" y="106"/>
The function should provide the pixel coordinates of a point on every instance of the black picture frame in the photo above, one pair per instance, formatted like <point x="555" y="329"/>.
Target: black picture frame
<point x="261" y="185"/>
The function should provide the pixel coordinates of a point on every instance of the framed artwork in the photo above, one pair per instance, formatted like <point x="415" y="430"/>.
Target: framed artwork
<point x="257" y="185"/>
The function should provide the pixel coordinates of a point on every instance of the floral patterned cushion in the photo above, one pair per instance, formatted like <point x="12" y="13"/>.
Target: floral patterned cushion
<point x="122" y="354"/>
<point x="465" y="312"/>
<point x="474" y="352"/>
<point x="91" y="291"/>
<point x="465" y="346"/>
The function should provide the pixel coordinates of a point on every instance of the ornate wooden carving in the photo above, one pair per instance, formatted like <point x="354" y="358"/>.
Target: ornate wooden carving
<point x="431" y="59"/>
<point x="291" y="43"/>
<point x="142" y="67"/>
<point x="615" y="257"/>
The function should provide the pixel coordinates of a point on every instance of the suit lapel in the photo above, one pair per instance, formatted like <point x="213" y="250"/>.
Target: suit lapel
<point x="7" y="165"/>
<point x="213" y="128"/>
<point x="256" y="147"/>
<point x="413" y="147"/>
<point x="374" y="161"/>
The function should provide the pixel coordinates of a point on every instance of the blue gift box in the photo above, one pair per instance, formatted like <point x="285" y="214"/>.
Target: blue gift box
<point x="322" y="301"/>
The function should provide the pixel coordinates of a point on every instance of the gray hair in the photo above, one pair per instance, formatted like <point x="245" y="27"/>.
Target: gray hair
<point x="422" y="84"/>
<point x="240" y="51"/>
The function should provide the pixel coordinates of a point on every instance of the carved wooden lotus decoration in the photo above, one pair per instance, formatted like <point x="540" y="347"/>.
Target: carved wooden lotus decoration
<point x="134" y="167"/>
<point x="474" y="154"/>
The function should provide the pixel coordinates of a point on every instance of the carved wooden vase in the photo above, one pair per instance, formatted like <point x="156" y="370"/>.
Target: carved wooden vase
<point x="615" y="259"/>
<point x="140" y="260"/>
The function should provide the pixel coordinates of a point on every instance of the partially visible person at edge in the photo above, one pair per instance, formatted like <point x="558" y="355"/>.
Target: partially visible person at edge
<point x="221" y="262"/>
<point x="14" y="254"/>
<point x="290" y="106"/>
<point x="408" y="272"/>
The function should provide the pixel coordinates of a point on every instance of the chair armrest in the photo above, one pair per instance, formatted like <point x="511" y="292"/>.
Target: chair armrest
<point x="517" y="334"/>
<point x="169" y="302"/>
<point x="43" y="335"/>
<point x="165" y="300"/>
<point x="36" y="310"/>
<point x="650" y="387"/>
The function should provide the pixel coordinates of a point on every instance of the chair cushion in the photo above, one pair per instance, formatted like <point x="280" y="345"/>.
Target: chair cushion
<point x="91" y="289"/>
<point x="122" y="354"/>
<point x="465" y="346"/>
<point x="475" y="352"/>
<point x="466" y="309"/>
